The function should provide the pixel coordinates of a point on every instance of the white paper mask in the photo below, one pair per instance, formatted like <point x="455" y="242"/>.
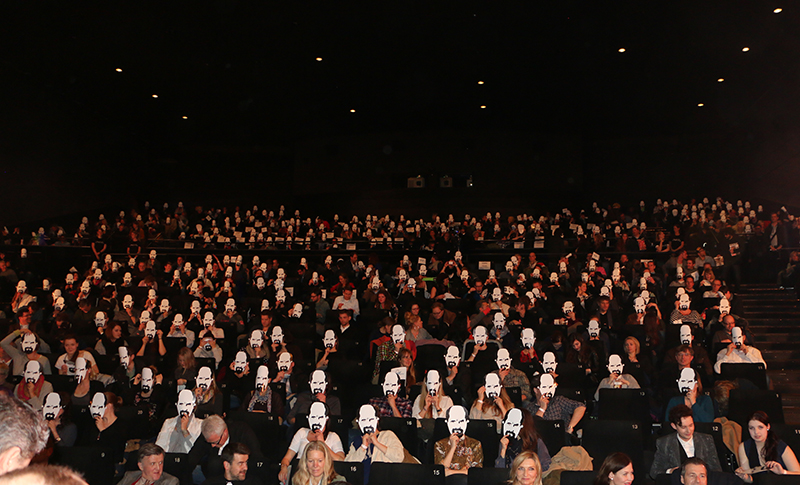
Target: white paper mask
<point x="457" y="420"/>
<point x="615" y="364"/>
<point x="256" y="338"/>
<point x="687" y="380"/>
<point x="549" y="362"/>
<point x="59" y="303"/>
<point x="164" y="307"/>
<point x="97" y="408"/>
<point x="186" y="403"/>
<point x="458" y="256"/>
<point x="264" y="304"/>
<point x="81" y="368"/>
<point x="280" y="295"/>
<point x="32" y="372"/>
<point x="297" y="310"/>
<point x="499" y="321"/>
<point x="391" y="383"/>
<point x="204" y="378"/>
<point x="568" y="307"/>
<point x="638" y="304"/>
<point x="492" y="384"/>
<point x="547" y="385"/>
<point x="497" y="294"/>
<point x="230" y="305"/>
<point x="686" y="335"/>
<point x="318" y="382"/>
<point x="512" y="424"/>
<point x="724" y="306"/>
<point x="85" y="287"/>
<point x="127" y="302"/>
<point x="262" y="377"/>
<point x="317" y="416"/>
<point x="52" y="406"/>
<point x="736" y="337"/>
<point x="277" y="335"/>
<point x="147" y="379"/>
<point x="208" y="319"/>
<point x="452" y="357"/>
<point x="433" y="382"/>
<point x="70" y="279"/>
<point x="503" y="359"/>
<point x="367" y="419"/>
<point x="398" y="334"/>
<point x="240" y="362"/>
<point x="684" y="302"/>
<point x="151" y="294"/>
<point x="329" y="339"/>
<point x="29" y="343"/>
<point x="284" y="361"/>
<point x="100" y="319"/>
<point x="479" y="334"/>
<point x="528" y="338"/>
<point x="124" y="358"/>
<point x="594" y="328"/>
<point x="492" y="274"/>
<point x="150" y="330"/>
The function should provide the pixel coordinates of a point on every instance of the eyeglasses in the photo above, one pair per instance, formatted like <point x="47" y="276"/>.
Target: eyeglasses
<point x="218" y="441"/>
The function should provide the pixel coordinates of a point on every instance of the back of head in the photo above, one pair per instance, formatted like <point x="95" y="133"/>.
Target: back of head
<point x="43" y="475"/>
<point x="24" y="433"/>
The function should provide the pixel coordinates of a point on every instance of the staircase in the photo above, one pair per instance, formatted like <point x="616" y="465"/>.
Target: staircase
<point x="774" y="316"/>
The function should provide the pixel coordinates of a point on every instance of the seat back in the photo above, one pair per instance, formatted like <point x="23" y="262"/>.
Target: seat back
<point x="94" y="462"/>
<point x="630" y="403"/>
<point x="553" y="433"/>
<point x="488" y="476"/>
<point x="569" y="477"/>
<point x="266" y="428"/>
<point x="742" y="403"/>
<point x="483" y="430"/>
<point x="405" y="473"/>
<point x="602" y="437"/>
<point x="405" y="429"/>
<point x="754" y="372"/>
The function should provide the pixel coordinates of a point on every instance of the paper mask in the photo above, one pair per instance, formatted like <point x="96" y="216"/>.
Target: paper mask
<point x="284" y="361"/>
<point x="150" y="329"/>
<point x="398" y="334"/>
<point x="547" y="385"/>
<point x="528" y="338"/>
<point x="81" y="369"/>
<point x="433" y="382"/>
<point x="492" y="384"/>
<point x="687" y="380"/>
<point x="367" y="419"/>
<point x="457" y="420"/>
<point x="686" y="335"/>
<point x="615" y="364"/>
<point x="503" y="359"/>
<point x="208" y="319"/>
<point x="452" y="357"/>
<point x="240" y="362"/>
<point x="391" y="383"/>
<point x="32" y="372"/>
<point x="52" y="406"/>
<point x="29" y="343"/>
<point x="262" y="377"/>
<point x="277" y="335"/>
<point x="512" y="423"/>
<point x="499" y="321"/>
<point x="97" y="408"/>
<point x="549" y="362"/>
<point x="186" y="403"/>
<point x="204" y="378"/>
<point x="317" y="416"/>
<point x="318" y="382"/>
<point x="479" y="334"/>
<point x="147" y="379"/>
<point x="329" y="340"/>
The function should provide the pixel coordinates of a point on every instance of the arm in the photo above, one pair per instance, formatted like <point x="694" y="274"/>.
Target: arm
<point x="8" y="345"/>
<point x="390" y="446"/>
<point x="577" y="415"/>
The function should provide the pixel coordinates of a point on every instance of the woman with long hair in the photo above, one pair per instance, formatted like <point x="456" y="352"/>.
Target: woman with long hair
<point x="617" y="469"/>
<point x="526" y="469"/>
<point x="406" y="359"/>
<point x="427" y="406"/>
<point x="528" y="441"/>
<point x="111" y="340"/>
<point x="315" y="466"/>
<point x="763" y="450"/>
<point x="385" y="303"/>
<point x="415" y="331"/>
<point x="485" y="408"/>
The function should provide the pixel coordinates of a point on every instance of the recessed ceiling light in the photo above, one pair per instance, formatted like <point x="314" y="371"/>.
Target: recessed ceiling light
<point x="483" y="106"/>
<point x="352" y="111"/>
<point x="745" y="49"/>
<point x="777" y="10"/>
<point x="319" y="59"/>
<point x="155" y="95"/>
<point x="700" y="105"/>
<point x="480" y="82"/>
<point x="185" y="117"/>
<point x="621" y="49"/>
<point x="119" y="70"/>
<point x="720" y="80"/>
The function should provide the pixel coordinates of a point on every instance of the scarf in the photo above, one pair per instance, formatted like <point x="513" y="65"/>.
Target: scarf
<point x="265" y="401"/>
<point x="22" y="389"/>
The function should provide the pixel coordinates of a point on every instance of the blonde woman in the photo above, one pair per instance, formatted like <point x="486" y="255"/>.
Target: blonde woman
<point x="431" y="405"/>
<point x="315" y="466"/>
<point x="485" y="408"/>
<point x="526" y="469"/>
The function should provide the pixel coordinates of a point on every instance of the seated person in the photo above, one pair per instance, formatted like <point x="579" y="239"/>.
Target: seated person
<point x="208" y="349"/>
<point x="458" y="452"/>
<point x="551" y="407"/>
<point x="392" y="405"/>
<point x="234" y="463"/>
<point x="218" y="435"/>
<point x="389" y="350"/>
<point x="526" y="469"/>
<point x="315" y="466"/>
<point x="209" y="397"/>
<point x="151" y="468"/>
<point x="432" y="402"/>
<point x="520" y="437"/>
<point x="374" y="445"/>
<point x="763" y="450"/>
<point x="263" y="399"/>
<point x="738" y="353"/>
<point x="178" y="434"/>
<point x="511" y="377"/>
<point x="318" y="420"/>
<point x="675" y="448"/>
<point x="691" y="390"/>
<point x="700" y="356"/>
<point x="493" y="401"/>
<point x="318" y="392"/>
<point x="616" y="379"/>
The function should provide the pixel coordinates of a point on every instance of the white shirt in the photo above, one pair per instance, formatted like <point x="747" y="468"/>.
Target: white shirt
<point x="752" y="356"/>
<point x="351" y="304"/>
<point x="688" y="447"/>
<point x="300" y="441"/>
<point x="62" y="360"/>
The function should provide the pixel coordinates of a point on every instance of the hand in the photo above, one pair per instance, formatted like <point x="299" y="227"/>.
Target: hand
<point x="64" y="369"/>
<point x="392" y="400"/>
<point x="542" y="401"/>
<point x="481" y="393"/>
<point x="775" y="467"/>
<point x="428" y="401"/>
<point x="159" y="333"/>
<point x="321" y="397"/>
<point x="366" y="440"/>
<point x="185" y="423"/>
<point x="137" y="379"/>
<point x="283" y="474"/>
<point x="181" y="382"/>
<point x="31" y="387"/>
<point x="454" y="439"/>
<point x="52" y="425"/>
<point x="315" y="436"/>
<point x="746" y="477"/>
<point x="503" y="446"/>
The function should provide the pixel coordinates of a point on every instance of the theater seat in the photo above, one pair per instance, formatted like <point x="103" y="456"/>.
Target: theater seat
<point x="483" y="430"/>
<point x="266" y="428"/>
<point x="406" y="431"/>
<point x="553" y="433"/>
<point x="406" y="473"/>
<point x="743" y="402"/>
<point x="629" y="403"/>
<point x="753" y="372"/>
<point x="95" y="463"/>
<point x="488" y="476"/>
<point x="602" y="437"/>
<point x="577" y="477"/>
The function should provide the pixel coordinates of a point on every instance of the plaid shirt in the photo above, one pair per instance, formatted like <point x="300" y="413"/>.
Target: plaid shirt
<point x="385" y="410"/>
<point x="517" y="378"/>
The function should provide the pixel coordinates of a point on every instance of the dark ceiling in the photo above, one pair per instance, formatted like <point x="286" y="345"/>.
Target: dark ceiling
<point x="245" y="73"/>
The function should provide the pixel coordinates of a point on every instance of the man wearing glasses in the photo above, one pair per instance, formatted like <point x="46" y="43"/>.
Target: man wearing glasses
<point x="217" y="434"/>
